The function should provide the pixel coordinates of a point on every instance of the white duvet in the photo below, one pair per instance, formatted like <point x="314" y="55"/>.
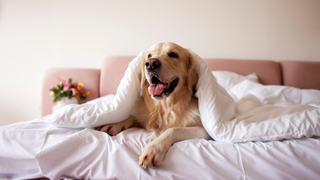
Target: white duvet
<point x="65" y="144"/>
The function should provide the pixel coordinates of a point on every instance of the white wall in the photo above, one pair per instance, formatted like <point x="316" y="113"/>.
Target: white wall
<point x="38" y="34"/>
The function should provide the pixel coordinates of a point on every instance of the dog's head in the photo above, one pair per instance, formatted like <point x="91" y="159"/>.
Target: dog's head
<point x="167" y="68"/>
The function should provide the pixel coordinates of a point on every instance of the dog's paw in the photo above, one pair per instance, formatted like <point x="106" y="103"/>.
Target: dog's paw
<point x="112" y="129"/>
<point x="152" y="155"/>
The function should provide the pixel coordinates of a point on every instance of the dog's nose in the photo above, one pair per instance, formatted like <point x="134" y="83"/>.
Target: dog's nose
<point x="152" y="64"/>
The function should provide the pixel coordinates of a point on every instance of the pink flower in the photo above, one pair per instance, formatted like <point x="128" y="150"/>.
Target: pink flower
<point x="66" y="86"/>
<point x="74" y="91"/>
<point x="62" y="79"/>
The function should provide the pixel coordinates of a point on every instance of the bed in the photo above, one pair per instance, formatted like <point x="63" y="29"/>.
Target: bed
<point x="39" y="149"/>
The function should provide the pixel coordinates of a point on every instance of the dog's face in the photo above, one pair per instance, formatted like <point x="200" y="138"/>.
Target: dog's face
<point x="167" y="68"/>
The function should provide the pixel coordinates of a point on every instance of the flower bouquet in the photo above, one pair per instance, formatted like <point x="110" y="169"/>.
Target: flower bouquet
<point x="68" y="90"/>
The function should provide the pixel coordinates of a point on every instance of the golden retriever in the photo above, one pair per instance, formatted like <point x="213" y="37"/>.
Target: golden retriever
<point x="168" y="105"/>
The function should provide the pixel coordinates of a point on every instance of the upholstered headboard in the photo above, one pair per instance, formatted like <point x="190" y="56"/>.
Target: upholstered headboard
<point x="112" y="71"/>
<point x="269" y="72"/>
<point x="300" y="74"/>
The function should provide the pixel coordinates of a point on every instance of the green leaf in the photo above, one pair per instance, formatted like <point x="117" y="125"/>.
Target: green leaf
<point x="55" y="91"/>
<point x="55" y="99"/>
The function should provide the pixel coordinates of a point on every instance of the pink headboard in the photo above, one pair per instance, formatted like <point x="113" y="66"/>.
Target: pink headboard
<point x="112" y="72"/>
<point x="269" y="72"/>
<point x="305" y="75"/>
<point x="301" y="74"/>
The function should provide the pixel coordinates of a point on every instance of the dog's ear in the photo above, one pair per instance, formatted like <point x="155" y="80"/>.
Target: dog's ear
<point x="143" y="73"/>
<point x="192" y="72"/>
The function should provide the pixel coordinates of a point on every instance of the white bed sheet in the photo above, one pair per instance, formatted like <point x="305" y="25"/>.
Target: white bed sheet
<point x="36" y="149"/>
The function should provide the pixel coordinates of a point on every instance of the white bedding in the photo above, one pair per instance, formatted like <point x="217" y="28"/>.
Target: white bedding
<point x="64" y="145"/>
<point x="37" y="149"/>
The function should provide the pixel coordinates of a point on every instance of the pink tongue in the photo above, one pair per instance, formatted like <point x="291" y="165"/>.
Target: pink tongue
<point x="156" y="89"/>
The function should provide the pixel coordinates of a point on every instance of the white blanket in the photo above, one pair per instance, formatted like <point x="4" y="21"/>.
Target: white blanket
<point x="253" y="112"/>
<point x="35" y="149"/>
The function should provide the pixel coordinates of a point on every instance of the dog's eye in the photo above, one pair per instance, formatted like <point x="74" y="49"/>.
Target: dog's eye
<point x="149" y="56"/>
<point x="173" y="55"/>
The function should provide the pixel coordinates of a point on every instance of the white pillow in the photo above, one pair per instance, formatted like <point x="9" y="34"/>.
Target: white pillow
<point x="228" y="79"/>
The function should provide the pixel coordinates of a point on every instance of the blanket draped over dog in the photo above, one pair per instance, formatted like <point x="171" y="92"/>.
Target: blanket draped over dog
<point x="281" y="113"/>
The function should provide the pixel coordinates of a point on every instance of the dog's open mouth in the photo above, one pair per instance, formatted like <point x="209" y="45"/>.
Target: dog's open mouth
<point x="158" y="88"/>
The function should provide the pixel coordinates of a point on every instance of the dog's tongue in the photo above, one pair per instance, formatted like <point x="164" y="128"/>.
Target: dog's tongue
<point x="156" y="89"/>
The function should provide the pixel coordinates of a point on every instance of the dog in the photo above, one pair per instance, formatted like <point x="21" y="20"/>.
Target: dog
<point x="167" y="106"/>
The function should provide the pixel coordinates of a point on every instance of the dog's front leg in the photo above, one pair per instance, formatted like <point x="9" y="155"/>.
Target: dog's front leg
<point x="153" y="154"/>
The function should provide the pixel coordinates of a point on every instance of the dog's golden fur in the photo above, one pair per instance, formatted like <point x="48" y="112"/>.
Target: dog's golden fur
<point x="180" y="108"/>
<point x="172" y="111"/>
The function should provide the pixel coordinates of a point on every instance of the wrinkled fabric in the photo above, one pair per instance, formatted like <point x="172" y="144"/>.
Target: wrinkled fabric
<point x="37" y="149"/>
